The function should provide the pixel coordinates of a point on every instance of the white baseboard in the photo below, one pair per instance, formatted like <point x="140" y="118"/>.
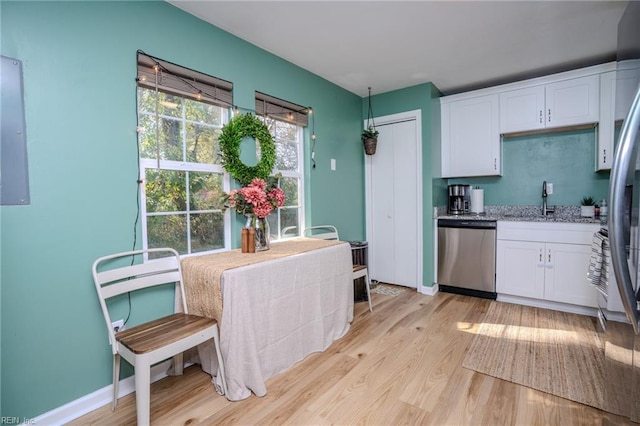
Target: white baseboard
<point x="556" y="306"/>
<point x="429" y="291"/>
<point x="97" y="399"/>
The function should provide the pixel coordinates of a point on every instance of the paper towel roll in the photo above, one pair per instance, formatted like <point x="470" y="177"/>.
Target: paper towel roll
<point x="477" y="201"/>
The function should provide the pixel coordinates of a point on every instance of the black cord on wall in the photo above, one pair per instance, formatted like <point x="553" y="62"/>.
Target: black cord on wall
<point x="139" y="182"/>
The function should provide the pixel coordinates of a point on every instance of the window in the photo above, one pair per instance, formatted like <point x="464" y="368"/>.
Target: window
<point x="285" y="122"/>
<point x="180" y="116"/>
<point x="289" y="217"/>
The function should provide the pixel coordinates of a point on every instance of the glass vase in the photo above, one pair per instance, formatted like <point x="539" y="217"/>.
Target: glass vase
<point x="262" y="233"/>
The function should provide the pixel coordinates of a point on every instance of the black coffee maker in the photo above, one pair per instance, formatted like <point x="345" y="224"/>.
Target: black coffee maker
<point x="459" y="199"/>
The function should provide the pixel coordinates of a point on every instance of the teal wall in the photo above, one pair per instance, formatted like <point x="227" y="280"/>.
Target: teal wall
<point x="79" y="78"/>
<point x="566" y="159"/>
<point x="420" y="97"/>
<point x="439" y="186"/>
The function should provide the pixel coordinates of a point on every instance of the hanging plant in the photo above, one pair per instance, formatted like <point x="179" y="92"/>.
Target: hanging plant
<point x="370" y="134"/>
<point x="233" y="132"/>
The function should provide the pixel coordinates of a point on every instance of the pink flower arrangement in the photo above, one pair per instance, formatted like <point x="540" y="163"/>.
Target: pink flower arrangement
<point x="257" y="199"/>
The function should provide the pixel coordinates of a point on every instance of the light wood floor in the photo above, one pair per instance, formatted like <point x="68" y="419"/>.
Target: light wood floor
<point x="400" y="364"/>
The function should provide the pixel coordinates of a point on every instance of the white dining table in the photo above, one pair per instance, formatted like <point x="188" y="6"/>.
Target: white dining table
<point x="274" y="309"/>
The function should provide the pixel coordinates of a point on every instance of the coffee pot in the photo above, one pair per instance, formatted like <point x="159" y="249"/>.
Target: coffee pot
<point x="459" y="199"/>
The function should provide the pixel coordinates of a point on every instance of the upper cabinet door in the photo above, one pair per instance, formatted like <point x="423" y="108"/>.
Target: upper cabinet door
<point x="574" y="101"/>
<point x="471" y="137"/>
<point x="604" y="142"/>
<point x="522" y="109"/>
<point x="627" y="79"/>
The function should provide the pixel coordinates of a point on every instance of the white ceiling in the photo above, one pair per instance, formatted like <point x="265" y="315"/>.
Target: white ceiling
<point x="388" y="45"/>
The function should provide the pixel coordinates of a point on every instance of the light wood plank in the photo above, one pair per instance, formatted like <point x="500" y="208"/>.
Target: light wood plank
<point x="400" y="364"/>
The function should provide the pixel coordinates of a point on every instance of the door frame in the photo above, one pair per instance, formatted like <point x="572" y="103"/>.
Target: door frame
<point x="392" y="119"/>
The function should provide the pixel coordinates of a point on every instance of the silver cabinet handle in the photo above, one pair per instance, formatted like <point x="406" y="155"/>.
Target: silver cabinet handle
<point x="604" y="156"/>
<point x="549" y="115"/>
<point x="622" y="172"/>
<point x="540" y="261"/>
<point x="540" y="116"/>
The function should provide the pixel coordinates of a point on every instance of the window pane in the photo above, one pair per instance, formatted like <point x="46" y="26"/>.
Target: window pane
<point x="290" y="187"/>
<point x="273" y="225"/>
<point x="170" y="136"/>
<point x="165" y="191"/>
<point x="289" y="225"/>
<point x="207" y="231"/>
<point x="286" y="141"/>
<point x="167" y="104"/>
<point x="287" y="155"/>
<point x="168" y="231"/>
<point x="289" y="219"/>
<point x="286" y="132"/>
<point x="202" y="144"/>
<point x="204" y="113"/>
<point x="205" y="191"/>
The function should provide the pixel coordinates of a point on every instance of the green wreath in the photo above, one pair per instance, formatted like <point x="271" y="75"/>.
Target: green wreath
<point x="233" y="132"/>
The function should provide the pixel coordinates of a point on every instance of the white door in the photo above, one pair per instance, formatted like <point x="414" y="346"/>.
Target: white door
<point x="394" y="201"/>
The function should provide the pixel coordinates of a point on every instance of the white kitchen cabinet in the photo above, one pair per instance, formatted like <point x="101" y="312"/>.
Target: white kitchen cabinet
<point x="546" y="261"/>
<point x="606" y="127"/>
<point x="627" y="80"/>
<point x="617" y="89"/>
<point x="522" y="109"/>
<point x="563" y="103"/>
<point x="470" y="137"/>
<point x="574" y="101"/>
<point x="614" y="301"/>
<point x="519" y="268"/>
<point x="566" y="274"/>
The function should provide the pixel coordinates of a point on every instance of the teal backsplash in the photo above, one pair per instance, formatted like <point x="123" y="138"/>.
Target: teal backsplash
<point x="566" y="159"/>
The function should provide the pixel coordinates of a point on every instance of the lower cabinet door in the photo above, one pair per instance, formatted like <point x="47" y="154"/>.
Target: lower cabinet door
<point x="520" y="268"/>
<point x="566" y="274"/>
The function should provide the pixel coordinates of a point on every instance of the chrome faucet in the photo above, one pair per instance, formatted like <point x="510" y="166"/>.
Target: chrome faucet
<point x="545" y="209"/>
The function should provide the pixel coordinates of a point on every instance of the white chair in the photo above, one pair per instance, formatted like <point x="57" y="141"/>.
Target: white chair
<point x="151" y="342"/>
<point x="330" y="232"/>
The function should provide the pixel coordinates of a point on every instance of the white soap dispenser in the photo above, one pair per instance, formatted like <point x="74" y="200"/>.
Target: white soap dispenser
<point x="603" y="211"/>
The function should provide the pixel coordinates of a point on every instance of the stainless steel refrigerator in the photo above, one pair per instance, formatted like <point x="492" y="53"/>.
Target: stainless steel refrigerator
<point x="622" y="348"/>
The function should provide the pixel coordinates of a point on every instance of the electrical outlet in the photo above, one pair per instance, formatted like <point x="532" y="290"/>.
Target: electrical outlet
<point x="549" y="188"/>
<point x="117" y="325"/>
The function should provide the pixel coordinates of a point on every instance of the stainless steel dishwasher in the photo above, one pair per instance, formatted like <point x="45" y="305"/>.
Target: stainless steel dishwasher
<point x="467" y="257"/>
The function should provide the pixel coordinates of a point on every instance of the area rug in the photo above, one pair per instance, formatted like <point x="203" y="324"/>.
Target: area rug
<point x="387" y="289"/>
<point x="554" y="352"/>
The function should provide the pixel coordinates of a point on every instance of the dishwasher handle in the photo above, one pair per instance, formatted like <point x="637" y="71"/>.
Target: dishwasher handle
<point x="471" y="224"/>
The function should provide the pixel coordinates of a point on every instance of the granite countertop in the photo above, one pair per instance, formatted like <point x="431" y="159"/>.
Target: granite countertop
<point x="566" y="214"/>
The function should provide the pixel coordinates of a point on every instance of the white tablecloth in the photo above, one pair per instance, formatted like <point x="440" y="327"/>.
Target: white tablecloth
<point x="277" y="312"/>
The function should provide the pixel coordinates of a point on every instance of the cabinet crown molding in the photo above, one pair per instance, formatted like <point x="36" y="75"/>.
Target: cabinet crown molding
<point x="551" y="78"/>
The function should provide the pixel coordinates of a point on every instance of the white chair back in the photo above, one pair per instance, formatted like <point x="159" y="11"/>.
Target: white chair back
<point x="112" y="279"/>
<point x="322" y="232"/>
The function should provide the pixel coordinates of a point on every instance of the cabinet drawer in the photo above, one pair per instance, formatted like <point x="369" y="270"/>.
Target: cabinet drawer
<point x="552" y="232"/>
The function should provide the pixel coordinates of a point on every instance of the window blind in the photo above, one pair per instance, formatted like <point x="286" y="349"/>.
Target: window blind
<point x="282" y="110"/>
<point x="181" y="81"/>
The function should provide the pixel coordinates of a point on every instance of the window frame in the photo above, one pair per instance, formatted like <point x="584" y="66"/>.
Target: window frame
<point x="298" y="174"/>
<point x="185" y="166"/>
